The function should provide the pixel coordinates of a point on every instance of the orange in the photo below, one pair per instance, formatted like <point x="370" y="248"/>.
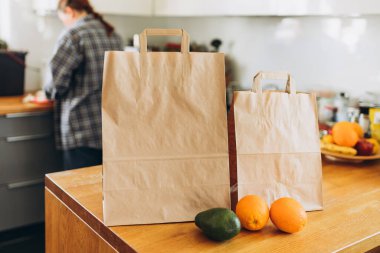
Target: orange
<point x="288" y="215"/>
<point x="253" y="212"/>
<point x="358" y="129"/>
<point x="344" y="134"/>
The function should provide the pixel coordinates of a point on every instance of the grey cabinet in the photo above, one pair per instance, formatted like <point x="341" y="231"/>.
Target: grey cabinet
<point x="21" y="205"/>
<point x="27" y="153"/>
<point x="25" y="124"/>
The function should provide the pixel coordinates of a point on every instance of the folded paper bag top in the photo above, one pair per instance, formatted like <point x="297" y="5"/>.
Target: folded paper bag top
<point x="165" y="143"/>
<point x="274" y="144"/>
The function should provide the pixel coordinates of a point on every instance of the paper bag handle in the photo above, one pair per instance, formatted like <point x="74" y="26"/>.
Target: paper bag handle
<point x="290" y="87"/>
<point x="185" y="43"/>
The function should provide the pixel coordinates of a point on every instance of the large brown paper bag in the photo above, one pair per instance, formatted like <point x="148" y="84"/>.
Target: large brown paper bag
<point x="165" y="143"/>
<point x="274" y="144"/>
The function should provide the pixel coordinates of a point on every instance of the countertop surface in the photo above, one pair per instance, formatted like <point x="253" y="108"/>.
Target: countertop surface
<point x="14" y="104"/>
<point x="350" y="221"/>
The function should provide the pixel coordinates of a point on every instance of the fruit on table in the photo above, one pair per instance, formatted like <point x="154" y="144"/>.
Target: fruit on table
<point x="218" y="224"/>
<point x="288" y="215"/>
<point x="338" y="149"/>
<point x="364" y="147"/>
<point x="344" y="134"/>
<point x="347" y="138"/>
<point x="358" y="129"/>
<point x="376" y="145"/>
<point x="253" y="212"/>
<point x="328" y="138"/>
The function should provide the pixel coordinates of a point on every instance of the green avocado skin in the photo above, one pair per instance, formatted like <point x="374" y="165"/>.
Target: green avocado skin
<point x="218" y="224"/>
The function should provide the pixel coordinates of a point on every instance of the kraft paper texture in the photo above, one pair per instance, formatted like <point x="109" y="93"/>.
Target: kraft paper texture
<point x="274" y="144"/>
<point x="165" y="143"/>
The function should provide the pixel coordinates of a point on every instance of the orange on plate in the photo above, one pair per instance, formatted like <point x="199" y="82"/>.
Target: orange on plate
<point x="344" y="134"/>
<point x="253" y="212"/>
<point x="288" y="215"/>
<point x="358" y="129"/>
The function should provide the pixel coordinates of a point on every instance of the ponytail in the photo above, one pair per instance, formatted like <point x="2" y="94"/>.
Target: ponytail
<point x="84" y="5"/>
<point x="109" y="28"/>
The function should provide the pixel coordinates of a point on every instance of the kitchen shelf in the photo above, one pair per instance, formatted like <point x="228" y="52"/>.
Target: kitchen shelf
<point x="197" y="8"/>
<point x="266" y="7"/>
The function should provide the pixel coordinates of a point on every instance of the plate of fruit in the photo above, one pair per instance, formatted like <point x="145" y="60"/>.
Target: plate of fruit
<point x="346" y="142"/>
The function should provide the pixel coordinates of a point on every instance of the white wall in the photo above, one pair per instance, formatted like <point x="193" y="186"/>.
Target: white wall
<point x="24" y="31"/>
<point x="338" y="53"/>
<point x="320" y="52"/>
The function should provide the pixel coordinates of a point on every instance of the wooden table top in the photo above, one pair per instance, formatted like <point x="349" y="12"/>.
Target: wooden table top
<point x="15" y="105"/>
<point x="350" y="221"/>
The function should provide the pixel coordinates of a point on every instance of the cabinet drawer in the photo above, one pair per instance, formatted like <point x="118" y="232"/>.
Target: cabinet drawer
<point x="23" y="158"/>
<point x="29" y="123"/>
<point x="22" y="204"/>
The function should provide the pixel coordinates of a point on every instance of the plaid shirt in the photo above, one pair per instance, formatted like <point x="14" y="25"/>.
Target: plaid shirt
<point x="76" y="83"/>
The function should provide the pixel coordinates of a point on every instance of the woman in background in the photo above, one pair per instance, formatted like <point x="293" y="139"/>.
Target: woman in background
<point x="76" y="82"/>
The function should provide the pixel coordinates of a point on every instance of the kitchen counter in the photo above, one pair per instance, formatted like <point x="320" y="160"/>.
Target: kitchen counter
<point x="27" y="153"/>
<point x="350" y="221"/>
<point x="15" y="105"/>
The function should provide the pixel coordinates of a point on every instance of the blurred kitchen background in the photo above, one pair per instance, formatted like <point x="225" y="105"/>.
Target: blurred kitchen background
<point x="326" y="45"/>
<point x="329" y="46"/>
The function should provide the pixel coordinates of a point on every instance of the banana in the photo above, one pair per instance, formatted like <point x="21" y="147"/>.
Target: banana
<point x="327" y="138"/>
<point x="376" y="145"/>
<point x="338" y="149"/>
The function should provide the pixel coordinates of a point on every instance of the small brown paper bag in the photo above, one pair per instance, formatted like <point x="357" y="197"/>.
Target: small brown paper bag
<point x="274" y="144"/>
<point x="165" y="143"/>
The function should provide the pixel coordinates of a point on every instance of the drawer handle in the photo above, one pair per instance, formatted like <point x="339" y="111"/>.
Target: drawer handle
<point x="26" y="114"/>
<point x="27" y="137"/>
<point x="24" y="184"/>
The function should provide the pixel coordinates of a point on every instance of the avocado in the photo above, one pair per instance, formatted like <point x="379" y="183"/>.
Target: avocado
<point x="218" y="224"/>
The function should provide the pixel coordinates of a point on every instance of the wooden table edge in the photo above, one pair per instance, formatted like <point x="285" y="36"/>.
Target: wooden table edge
<point x="15" y="104"/>
<point x="26" y="110"/>
<point x="105" y="232"/>
<point x="352" y="246"/>
<point x="122" y="246"/>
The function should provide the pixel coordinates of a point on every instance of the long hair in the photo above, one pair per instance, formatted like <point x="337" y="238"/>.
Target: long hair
<point x="84" y="5"/>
